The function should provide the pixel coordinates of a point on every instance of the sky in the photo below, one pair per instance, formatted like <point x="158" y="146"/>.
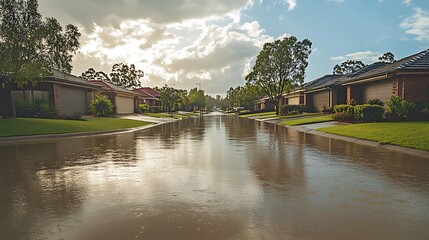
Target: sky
<point x="214" y="43"/>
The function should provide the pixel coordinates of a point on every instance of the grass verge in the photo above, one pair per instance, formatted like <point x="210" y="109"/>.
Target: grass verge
<point x="258" y="114"/>
<point x="308" y="120"/>
<point x="35" y="126"/>
<point x="405" y="134"/>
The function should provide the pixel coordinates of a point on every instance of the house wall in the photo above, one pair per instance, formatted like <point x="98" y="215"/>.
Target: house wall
<point x="415" y="88"/>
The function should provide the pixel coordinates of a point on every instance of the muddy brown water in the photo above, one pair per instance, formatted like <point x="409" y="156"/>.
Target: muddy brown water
<point x="217" y="177"/>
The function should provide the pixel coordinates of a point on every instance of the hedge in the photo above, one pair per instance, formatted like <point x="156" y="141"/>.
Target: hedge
<point x="287" y="109"/>
<point x="368" y="113"/>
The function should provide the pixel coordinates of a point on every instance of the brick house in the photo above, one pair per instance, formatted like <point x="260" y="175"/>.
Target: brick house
<point x="68" y="93"/>
<point x="122" y="99"/>
<point x="407" y="78"/>
<point x="148" y="96"/>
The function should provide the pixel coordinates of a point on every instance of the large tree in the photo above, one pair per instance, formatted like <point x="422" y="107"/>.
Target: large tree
<point x="169" y="97"/>
<point x="347" y="67"/>
<point x="387" y="57"/>
<point x="30" y="46"/>
<point x="197" y="99"/>
<point x="280" y="67"/>
<point x="122" y="75"/>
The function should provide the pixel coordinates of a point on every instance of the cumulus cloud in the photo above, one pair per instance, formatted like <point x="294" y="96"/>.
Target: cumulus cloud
<point x="365" y="56"/>
<point x="406" y="2"/>
<point x="291" y="4"/>
<point x="417" y="24"/>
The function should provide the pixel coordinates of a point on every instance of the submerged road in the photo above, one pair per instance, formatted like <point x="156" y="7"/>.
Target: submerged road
<point x="215" y="177"/>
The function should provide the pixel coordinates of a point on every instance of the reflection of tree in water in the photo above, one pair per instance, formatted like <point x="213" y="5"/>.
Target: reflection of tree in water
<point x="39" y="179"/>
<point x="169" y="134"/>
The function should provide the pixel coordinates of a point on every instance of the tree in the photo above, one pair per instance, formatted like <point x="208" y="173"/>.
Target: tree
<point x="387" y="57"/>
<point x="126" y="76"/>
<point x="169" y="97"/>
<point x="280" y="67"/>
<point x="30" y="46"/>
<point x="210" y="102"/>
<point x="122" y="75"/>
<point x="347" y="67"/>
<point x="247" y="96"/>
<point x="197" y="99"/>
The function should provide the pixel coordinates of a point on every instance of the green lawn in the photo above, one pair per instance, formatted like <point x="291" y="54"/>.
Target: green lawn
<point x="173" y="115"/>
<point x="258" y="114"/>
<point x="406" y="134"/>
<point x="34" y="126"/>
<point x="308" y="120"/>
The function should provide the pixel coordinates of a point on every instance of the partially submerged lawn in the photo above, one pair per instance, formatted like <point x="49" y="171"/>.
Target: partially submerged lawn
<point x="258" y="114"/>
<point x="34" y="126"/>
<point x="308" y="120"/>
<point x="406" y="134"/>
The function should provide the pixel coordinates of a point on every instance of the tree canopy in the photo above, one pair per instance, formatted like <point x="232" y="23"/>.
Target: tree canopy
<point x="387" y="57"/>
<point x="122" y="75"/>
<point x="30" y="46"/>
<point x="169" y="97"/>
<point x="349" y="66"/>
<point x="280" y="67"/>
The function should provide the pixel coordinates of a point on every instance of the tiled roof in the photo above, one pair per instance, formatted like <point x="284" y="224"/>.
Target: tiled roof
<point x="419" y="61"/>
<point x="111" y="87"/>
<point x="147" y="92"/>
<point x="62" y="77"/>
<point x="324" y="81"/>
<point x="367" y="68"/>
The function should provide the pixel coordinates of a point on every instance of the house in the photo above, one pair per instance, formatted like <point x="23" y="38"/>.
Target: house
<point x="122" y="99"/>
<point x="324" y="92"/>
<point x="68" y="93"/>
<point x="407" y="78"/>
<point x="148" y="96"/>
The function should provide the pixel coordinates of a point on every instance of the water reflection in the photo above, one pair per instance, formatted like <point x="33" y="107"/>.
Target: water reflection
<point x="218" y="177"/>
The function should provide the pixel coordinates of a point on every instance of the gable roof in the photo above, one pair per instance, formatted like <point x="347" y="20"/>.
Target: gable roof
<point x="147" y="92"/>
<point x="69" y="79"/>
<point x="111" y="87"/>
<point x="419" y="62"/>
<point x="325" y="81"/>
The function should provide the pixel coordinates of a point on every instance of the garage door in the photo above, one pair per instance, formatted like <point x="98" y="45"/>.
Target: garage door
<point x="73" y="100"/>
<point x="293" y="101"/>
<point x="377" y="90"/>
<point x="319" y="99"/>
<point x="124" y="105"/>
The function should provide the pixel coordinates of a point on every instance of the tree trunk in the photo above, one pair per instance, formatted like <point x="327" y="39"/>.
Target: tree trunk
<point x="277" y="108"/>
<point x="7" y="106"/>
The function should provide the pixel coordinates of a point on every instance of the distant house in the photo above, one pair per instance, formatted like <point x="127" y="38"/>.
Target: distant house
<point x="147" y="95"/>
<point x="68" y="93"/>
<point x="122" y="99"/>
<point x="407" y="78"/>
<point x="324" y="92"/>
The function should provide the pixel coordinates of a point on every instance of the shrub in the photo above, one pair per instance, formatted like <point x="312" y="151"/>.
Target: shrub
<point x="143" y="108"/>
<point x="155" y="109"/>
<point x="344" y="117"/>
<point x="101" y="106"/>
<point x="368" y="113"/>
<point x="74" y="116"/>
<point x="352" y="102"/>
<point x="286" y="109"/>
<point x="375" y="102"/>
<point x="326" y="109"/>
<point x="343" y="108"/>
<point x="398" y="109"/>
<point x="294" y="112"/>
<point x="39" y="108"/>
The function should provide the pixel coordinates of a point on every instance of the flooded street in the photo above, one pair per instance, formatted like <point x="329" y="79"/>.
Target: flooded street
<point x="217" y="177"/>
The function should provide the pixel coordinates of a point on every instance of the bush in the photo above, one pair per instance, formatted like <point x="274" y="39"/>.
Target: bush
<point x="155" y="109"/>
<point x="368" y="113"/>
<point x="286" y="109"/>
<point x="101" y="106"/>
<point x="344" y="117"/>
<point x="352" y="102"/>
<point x="375" y="102"/>
<point x="74" y="116"/>
<point x="398" y="109"/>
<point x="39" y="108"/>
<point x="343" y="108"/>
<point x="143" y="108"/>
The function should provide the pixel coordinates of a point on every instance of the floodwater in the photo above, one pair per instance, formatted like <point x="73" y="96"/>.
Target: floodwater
<point x="216" y="177"/>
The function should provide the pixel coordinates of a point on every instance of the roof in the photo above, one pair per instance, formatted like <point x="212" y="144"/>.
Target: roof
<point x="147" y="92"/>
<point x="419" y="61"/>
<point x="325" y="81"/>
<point x="111" y="87"/>
<point x="61" y="77"/>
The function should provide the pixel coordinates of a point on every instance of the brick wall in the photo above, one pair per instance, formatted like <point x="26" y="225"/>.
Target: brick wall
<point x="57" y="97"/>
<point x="416" y="88"/>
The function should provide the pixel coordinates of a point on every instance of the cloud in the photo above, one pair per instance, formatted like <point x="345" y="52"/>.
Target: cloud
<point x="406" y="2"/>
<point x="87" y="12"/>
<point x="336" y="1"/>
<point x="365" y="56"/>
<point x="417" y="24"/>
<point x="291" y="4"/>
